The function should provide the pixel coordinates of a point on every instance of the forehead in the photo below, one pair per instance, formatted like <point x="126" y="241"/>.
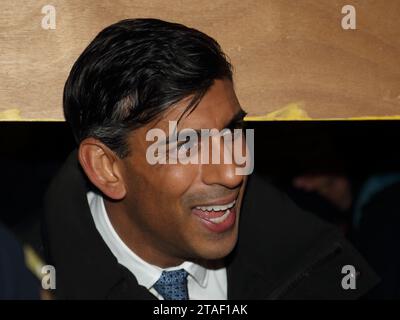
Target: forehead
<point x="215" y="110"/>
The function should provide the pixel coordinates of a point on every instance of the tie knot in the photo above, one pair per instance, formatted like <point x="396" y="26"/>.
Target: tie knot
<point x="172" y="285"/>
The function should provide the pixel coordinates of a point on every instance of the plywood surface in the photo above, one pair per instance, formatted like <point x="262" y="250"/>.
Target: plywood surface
<point x="292" y="57"/>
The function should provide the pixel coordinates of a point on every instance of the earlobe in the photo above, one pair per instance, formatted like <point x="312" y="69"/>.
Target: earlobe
<point x="101" y="167"/>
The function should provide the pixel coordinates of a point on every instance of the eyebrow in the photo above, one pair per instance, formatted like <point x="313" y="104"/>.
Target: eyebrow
<point x="237" y="118"/>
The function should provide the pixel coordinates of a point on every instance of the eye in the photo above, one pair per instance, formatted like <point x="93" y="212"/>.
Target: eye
<point x="186" y="145"/>
<point x="183" y="143"/>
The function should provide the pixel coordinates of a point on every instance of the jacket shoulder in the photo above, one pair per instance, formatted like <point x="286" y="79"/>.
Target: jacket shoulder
<point x="299" y="255"/>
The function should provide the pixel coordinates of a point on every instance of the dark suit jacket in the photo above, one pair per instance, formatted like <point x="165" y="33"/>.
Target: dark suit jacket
<point x="282" y="252"/>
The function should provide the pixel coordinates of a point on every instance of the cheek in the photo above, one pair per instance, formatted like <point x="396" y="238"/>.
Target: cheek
<point x="161" y="187"/>
<point x="178" y="178"/>
<point x="156" y="199"/>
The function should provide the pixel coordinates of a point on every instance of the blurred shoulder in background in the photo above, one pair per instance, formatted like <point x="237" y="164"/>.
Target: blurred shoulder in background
<point x="16" y="281"/>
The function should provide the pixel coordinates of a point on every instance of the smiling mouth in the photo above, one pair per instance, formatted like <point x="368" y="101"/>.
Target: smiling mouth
<point x="216" y="213"/>
<point x="217" y="217"/>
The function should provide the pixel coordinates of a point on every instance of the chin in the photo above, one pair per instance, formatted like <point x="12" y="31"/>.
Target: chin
<point x="216" y="249"/>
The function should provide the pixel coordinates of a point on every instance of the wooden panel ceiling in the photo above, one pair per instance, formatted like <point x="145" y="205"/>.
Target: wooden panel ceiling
<point x="292" y="58"/>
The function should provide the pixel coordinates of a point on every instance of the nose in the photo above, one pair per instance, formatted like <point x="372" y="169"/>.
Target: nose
<point x="223" y="173"/>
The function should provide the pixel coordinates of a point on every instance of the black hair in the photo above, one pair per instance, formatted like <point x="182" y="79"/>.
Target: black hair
<point x="133" y="71"/>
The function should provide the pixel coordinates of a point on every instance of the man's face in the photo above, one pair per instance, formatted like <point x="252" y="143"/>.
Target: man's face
<point x="185" y="211"/>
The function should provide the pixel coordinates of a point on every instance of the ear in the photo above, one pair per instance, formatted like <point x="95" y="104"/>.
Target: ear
<point x="102" y="167"/>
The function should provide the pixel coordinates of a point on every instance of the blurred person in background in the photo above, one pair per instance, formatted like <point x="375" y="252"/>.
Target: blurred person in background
<point x="16" y="281"/>
<point x="374" y="226"/>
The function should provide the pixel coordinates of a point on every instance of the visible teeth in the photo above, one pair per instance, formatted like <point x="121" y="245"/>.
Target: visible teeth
<point x="217" y="208"/>
<point x="222" y="218"/>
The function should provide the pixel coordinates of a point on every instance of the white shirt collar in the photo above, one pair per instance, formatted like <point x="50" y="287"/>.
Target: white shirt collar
<point x="145" y="273"/>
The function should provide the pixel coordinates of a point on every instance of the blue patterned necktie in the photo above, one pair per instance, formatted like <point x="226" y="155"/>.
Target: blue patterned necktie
<point x="172" y="285"/>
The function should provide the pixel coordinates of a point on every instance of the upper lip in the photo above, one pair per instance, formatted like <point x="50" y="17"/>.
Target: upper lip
<point x="218" y="202"/>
